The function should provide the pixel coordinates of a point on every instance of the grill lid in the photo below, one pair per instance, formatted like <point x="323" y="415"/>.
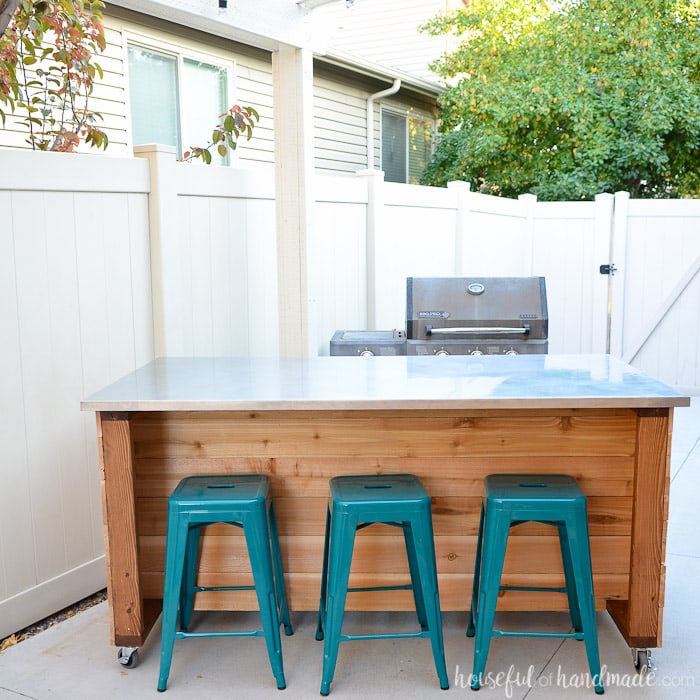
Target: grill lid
<point x="446" y="308"/>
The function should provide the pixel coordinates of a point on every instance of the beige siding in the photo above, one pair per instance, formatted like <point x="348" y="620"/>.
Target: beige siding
<point x="340" y="121"/>
<point x="253" y="87"/>
<point x="340" y="133"/>
<point x="110" y="94"/>
<point x="340" y="97"/>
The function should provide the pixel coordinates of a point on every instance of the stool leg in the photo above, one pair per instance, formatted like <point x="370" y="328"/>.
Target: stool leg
<point x="496" y="530"/>
<point x="257" y="535"/>
<point x="342" y="542"/>
<point x="323" y="602"/>
<point x="571" y="587"/>
<point x="176" y="543"/>
<point x="581" y="564"/>
<point x="425" y="557"/>
<point x="189" y="576"/>
<point x="280" y="588"/>
<point x="414" y="568"/>
<point x="474" y="610"/>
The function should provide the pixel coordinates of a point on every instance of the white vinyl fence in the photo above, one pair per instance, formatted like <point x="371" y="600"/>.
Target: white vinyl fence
<point x="106" y="263"/>
<point x="75" y="313"/>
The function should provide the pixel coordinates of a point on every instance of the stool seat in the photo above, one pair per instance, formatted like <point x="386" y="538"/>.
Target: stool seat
<point x="356" y="502"/>
<point x="240" y="500"/>
<point x="513" y="499"/>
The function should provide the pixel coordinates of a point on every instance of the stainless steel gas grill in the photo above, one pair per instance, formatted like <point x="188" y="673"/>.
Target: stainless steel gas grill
<point x="461" y="316"/>
<point x="476" y="315"/>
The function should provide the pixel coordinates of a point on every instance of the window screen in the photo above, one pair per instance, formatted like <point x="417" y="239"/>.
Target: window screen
<point x="420" y="136"/>
<point x="204" y="93"/>
<point x="393" y="147"/>
<point x="154" y="98"/>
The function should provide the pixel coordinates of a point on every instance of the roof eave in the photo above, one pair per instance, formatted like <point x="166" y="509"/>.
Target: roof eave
<point x="381" y="72"/>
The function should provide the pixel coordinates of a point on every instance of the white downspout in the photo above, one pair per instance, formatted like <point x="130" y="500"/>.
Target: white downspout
<point x="370" y="121"/>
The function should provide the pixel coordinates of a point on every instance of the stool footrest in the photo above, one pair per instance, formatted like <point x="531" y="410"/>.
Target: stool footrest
<point x="184" y="635"/>
<point x="199" y="589"/>
<point x="389" y="635"/>
<point x="533" y="588"/>
<point x="555" y="635"/>
<point x="406" y="587"/>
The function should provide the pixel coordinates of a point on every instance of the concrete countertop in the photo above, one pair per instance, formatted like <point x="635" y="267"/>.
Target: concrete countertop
<point x="377" y="383"/>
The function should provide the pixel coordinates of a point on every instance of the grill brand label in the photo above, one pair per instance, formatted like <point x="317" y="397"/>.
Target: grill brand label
<point x="433" y="314"/>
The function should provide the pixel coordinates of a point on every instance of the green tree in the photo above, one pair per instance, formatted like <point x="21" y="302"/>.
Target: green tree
<point x="572" y="98"/>
<point x="47" y="71"/>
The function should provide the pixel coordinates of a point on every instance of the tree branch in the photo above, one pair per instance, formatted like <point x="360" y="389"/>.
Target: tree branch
<point x="7" y="9"/>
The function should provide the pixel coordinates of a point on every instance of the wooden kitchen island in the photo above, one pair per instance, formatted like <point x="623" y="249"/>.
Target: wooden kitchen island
<point x="449" y="420"/>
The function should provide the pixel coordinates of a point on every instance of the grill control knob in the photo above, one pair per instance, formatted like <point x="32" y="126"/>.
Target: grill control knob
<point x="512" y="352"/>
<point x="441" y="352"/>
<point x="366" y="353"/>
<point x="476" y="352"/>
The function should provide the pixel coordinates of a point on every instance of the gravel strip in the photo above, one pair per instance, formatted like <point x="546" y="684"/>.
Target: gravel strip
<point x="52" y="620"/>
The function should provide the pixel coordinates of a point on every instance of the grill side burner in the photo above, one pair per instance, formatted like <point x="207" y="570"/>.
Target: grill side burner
<point x="367" y="343"/>
<point x="476" y="315"/>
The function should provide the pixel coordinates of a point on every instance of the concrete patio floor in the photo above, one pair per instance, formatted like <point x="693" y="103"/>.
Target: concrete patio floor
<point x="74" y="659"/>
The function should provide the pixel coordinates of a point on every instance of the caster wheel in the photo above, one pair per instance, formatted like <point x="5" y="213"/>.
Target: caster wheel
<point x="642" y="660"/>
<point x="128" y="657"/>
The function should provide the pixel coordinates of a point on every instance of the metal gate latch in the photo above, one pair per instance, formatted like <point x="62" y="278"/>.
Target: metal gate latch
<point x="608" y="269"/>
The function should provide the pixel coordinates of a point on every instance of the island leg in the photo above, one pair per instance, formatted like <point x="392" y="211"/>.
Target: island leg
<point x="639" y="618"/>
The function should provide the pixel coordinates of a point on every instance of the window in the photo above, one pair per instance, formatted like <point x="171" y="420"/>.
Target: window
<point x="175" y="100"/>
<point x="406" y="146"/>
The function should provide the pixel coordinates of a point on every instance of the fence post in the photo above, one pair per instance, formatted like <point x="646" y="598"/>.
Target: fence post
<point x="618" y="254"/>
<point x="461" y="190"/>
<point x="292" y="71"/>
<point x="602" y="285"/>
<point x="165" y="254"/>
<point x="375" y="225"/>
<point x="528" y="202"/>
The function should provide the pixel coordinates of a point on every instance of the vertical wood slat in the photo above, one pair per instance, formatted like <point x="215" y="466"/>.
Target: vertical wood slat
<point x="123" y="578"/>
<point x="640" y="617"/>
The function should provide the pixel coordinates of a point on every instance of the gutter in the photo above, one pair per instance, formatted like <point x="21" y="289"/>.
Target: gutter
<point x="370" y="121"/>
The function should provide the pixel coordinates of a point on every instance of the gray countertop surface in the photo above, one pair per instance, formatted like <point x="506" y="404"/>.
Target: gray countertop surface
<point x="376" y="383"/>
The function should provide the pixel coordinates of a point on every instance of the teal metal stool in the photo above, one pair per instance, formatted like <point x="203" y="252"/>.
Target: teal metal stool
<point x="356" y="502"/>
<point x="242" y="500"/>
<point x="512" y="499"/>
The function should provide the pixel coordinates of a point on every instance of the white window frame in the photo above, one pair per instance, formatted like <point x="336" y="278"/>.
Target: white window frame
<point x="158" y="44"/>
<point x="406" y="114"/>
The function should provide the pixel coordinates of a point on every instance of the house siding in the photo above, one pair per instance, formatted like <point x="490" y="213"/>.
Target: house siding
<point x="340" y="131"/>
<point x="340" y="96"/>
<point x="340" y="119"/>
<point x="251" y="79"/>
